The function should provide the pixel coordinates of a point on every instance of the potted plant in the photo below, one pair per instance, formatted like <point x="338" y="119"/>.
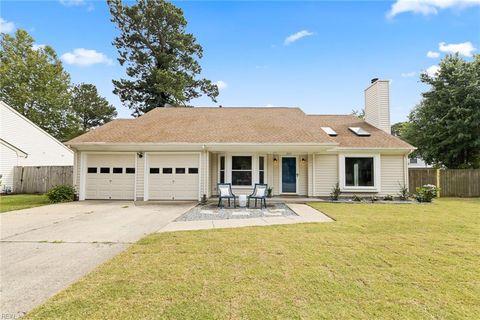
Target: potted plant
<point x="269" y="192"/>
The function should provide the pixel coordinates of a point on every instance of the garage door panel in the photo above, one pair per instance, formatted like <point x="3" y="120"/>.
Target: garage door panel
<point x="169" y="186"/>
<point x="110" y="185"/>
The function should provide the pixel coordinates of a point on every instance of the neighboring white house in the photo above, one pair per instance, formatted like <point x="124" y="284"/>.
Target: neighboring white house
<point x="182" y="153"/>
<point x="23" y="143"/>
<point x="418" y="162"/>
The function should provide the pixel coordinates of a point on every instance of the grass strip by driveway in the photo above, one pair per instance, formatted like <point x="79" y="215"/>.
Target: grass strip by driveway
<point x="375" y="261"/>
<point x="22" y="201"/>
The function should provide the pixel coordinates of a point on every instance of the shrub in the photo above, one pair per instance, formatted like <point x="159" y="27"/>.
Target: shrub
<point x="403" y="194"/>
<point x="335" y="192"/>
<point x="388" y="198"/>
<point x="356" y="198"/>
<point x="426" y="193"/>
<point x="61" y="193"/>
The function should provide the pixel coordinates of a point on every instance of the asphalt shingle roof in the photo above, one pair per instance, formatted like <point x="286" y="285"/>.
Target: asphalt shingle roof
<point x="237" y="125"/>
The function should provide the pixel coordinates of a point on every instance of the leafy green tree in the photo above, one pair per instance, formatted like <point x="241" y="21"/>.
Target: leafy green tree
<point x="33" y="82"/>
<point x="89" y="109"/>
<point x="161" y="59"/>
<point x="360" y="114"/>
<point x="445" y="126"/>
<point x="396" y="129"/>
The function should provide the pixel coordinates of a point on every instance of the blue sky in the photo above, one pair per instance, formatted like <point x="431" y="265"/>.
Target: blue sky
<point x="335" y="48"/>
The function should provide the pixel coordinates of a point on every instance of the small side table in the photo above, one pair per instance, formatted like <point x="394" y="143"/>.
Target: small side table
<point x="242" y="201"/>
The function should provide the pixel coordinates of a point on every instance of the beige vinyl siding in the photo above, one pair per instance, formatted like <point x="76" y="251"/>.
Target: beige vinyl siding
<point x="326" y="174"/>
<point x="377" y="105"/>
<point x="140" y="178"/>
<point x="302" y="187"/>
<point x="77" y="171"/>
<point x="310" y="174"/>
<point x="392" y="172"/>
<point x="213" y="173"/>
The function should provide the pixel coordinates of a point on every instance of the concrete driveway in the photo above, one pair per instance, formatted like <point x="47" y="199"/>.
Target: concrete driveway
<point x="47" y="248"/>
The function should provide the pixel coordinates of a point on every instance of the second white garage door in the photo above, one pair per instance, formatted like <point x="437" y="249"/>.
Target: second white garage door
<point x="173" y="176"/>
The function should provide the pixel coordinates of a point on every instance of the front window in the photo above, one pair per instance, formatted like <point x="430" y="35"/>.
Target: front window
<point x="261" y="169"/>
<point x="241" y="170"/>
<point x="359" y="172"/>
<point x="222" y="169"/>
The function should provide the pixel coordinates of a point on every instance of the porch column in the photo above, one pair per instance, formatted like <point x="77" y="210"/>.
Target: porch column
<point x="310" y="175"/>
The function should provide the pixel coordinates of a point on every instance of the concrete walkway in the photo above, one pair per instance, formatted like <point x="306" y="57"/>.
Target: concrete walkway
<point x="45" y="249"/>
<point x="306" y="214"/>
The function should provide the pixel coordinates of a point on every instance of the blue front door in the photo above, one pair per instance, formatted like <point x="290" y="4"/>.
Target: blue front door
<point x="289" y="175"/>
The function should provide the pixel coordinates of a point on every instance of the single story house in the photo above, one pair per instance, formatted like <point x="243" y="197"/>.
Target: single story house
<point x="23" y="143"/>
<point x="182" y="153"/>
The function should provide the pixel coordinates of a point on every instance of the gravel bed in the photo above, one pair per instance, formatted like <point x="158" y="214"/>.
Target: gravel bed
<point x="210" y="211"/>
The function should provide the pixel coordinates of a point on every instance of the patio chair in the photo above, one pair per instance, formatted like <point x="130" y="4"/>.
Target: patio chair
<point x="259" y="193"/>
<point x="225" y="192"/>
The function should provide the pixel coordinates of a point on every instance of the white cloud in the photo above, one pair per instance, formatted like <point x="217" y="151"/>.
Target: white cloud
<point x="71" y="3"/>
<point x="6" y="26"/>
<point x="432" y="70"/>
<point x="221" y="85"/>
<point x="38" y="46"/>
<point x="297" y="36"/>
<point x="433" y="54"/>
<point x="465" y="49"/>
<point x="84" y="57"/>
<point x="409" y="74"/>
<point x="427" y="7"/>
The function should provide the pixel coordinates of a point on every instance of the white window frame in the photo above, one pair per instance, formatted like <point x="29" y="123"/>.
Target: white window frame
<point x="224" y="169"/>
<point x="265" y="159"/>
<point x="252" y="170"/>
<point x="376" y="173"/>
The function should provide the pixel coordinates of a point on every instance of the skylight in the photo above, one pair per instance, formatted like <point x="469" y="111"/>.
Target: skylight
<point x="329" y="131"/>
<point x="359" y="131"/>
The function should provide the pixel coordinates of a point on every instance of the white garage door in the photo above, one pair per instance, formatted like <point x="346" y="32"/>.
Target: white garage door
<point x="110" y="176"/>
<point x="173" y="176"/>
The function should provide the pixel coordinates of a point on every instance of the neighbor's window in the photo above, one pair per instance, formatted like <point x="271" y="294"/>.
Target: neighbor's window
<point x="261" y="169"/>
<point x="222" y="169"/>
<point x="413" y="160"/>
<point x="359" y="172"/>
<point x="241" y="170"/>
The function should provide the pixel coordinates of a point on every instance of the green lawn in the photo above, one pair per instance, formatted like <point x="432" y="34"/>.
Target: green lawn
<point x="22" y="201"/>
<point x="375" y="261"/>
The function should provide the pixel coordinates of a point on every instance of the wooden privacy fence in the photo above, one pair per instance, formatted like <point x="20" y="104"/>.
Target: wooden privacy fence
<point x="41" y="179"/>
<point x="452" y="182"/>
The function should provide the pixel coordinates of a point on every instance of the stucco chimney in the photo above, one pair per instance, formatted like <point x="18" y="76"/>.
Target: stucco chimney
<point x="377" y="104"/>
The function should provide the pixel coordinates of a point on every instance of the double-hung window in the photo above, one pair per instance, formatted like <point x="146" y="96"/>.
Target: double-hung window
<point x="261" y="169"/>
<point x="241" y="170"/>
<point x="222" y="169"/>
<point x="359" y="172"/>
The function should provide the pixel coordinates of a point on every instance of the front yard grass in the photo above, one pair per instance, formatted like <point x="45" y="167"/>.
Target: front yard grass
<point x="376" y="261"/>
<point x="22" y="201"/>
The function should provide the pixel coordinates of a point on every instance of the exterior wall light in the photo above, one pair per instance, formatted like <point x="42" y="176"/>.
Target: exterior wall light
<point x="140" y="155"/>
